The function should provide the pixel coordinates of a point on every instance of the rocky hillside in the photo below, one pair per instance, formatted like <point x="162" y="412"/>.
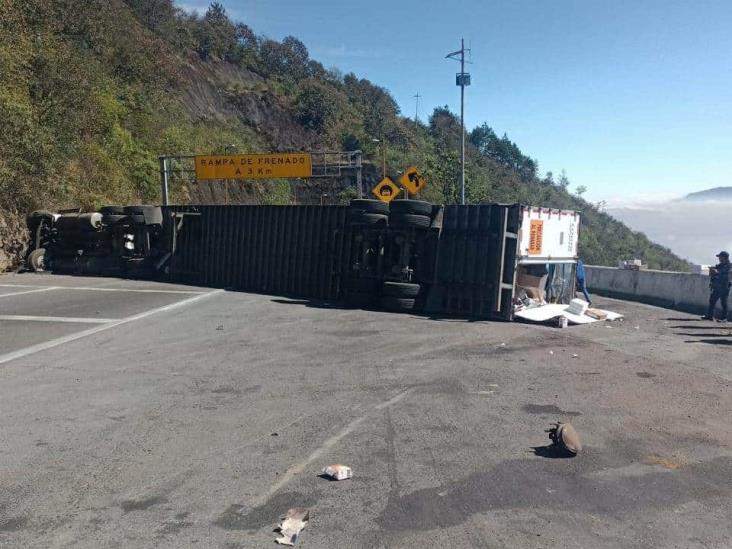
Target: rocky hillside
<point x="92" y="92"/>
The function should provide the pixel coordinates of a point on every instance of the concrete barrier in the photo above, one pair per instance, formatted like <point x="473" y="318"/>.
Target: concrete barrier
<point x="682" y="291"/>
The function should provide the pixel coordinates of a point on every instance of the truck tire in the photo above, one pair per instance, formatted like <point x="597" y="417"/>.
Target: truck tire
<point x="153" y="215"/>
<point x="79" y="222"/>
<point x="400" y="289"/>
<point x="365" y="218"/>
<point x="409" y="221"/>
<point x="396" y="304"/>
<point x="369" y="206"/>
<point x="136" y="219"/>
<point x="417" y="207"/>
<point x="112" y="210"/>
<point x="36" y="260"/>
<point x="114" y="219"/>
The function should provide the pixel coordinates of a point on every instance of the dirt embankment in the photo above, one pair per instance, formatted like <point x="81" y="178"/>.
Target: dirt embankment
<point x="218" y="91"/>
<point x="13" y="239"/>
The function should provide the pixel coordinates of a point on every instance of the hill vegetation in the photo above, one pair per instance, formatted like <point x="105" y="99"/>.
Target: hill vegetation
<point x="92" y="92"/>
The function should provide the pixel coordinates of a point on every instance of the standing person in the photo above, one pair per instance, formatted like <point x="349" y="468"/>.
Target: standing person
<point x="582" y="281"/>
<point x="719" y="285"/>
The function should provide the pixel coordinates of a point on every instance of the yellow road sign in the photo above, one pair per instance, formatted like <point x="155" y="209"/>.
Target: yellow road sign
<point x="254" y="166"/>
<point x="413" y="180"/>
<point x="386" y="190"/>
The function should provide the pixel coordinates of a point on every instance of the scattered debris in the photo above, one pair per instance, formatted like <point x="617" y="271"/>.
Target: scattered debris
<point x="338" y="472"/>
<point x="597" y="314"/>
<point x="551" y="352"/>
<point x="566" y="437"/>
<point x="274" y="434"/>
<point x="637" y="327"/>
<point x="575" y="313"/>
<point x="292" y="524"/>
<point x="575" y="356"/>
<point x="502" y="345"/>
<point x="220" y="327"/>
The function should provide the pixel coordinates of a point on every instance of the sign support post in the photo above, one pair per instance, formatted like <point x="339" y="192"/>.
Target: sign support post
<point x="164" y="191"/>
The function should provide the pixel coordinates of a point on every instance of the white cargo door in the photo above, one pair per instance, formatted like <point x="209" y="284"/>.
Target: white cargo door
<point x="548" y="236"/>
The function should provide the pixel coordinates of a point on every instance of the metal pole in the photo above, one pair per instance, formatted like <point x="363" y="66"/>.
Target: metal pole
<point x="164" y="179"/>
<point x="359" y="183"/>
<point x="462" y="121"/>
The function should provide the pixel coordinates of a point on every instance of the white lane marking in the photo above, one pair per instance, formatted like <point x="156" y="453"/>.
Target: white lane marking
<point x="100" y="289"/>
<point x="80" y="320"/>
<point x="91" y="331"/>
<point x="327" y="445"/>
<point x="44" y="289"/>
<point x="133" y="290"/>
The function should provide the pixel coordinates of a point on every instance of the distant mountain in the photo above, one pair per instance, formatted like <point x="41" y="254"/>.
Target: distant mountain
<point x="717" y="193"/>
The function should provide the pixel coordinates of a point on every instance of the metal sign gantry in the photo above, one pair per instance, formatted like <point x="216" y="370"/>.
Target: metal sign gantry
<point x="324" y="164"/>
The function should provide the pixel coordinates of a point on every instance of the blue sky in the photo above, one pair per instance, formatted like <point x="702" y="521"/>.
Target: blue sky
<point x="633" y="99"/>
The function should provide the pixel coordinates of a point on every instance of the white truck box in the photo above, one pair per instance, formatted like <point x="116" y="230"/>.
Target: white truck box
<point x="548" y="236"/>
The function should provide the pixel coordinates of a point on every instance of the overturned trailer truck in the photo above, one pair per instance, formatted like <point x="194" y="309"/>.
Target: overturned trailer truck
<point x="483" y="261"/>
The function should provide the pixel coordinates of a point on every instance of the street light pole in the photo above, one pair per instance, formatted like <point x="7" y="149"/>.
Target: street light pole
<point x="462" y="123"/>
<point x="462" y="80"/>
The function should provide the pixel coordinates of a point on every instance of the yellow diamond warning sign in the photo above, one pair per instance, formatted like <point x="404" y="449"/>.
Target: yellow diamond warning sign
<point x="386" y="190"/>
<point x="254" y="166"/>
<point x="413" y="180"/>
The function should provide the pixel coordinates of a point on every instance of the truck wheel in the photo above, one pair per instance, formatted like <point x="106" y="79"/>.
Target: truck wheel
<point x="400" y="289"/>
<point x="36" y="260"/>
<point x="112" y="210"/>
<point x="136" y="219"/>
<point x="389" y="303"/>
<point x="113" y="219"/>
<point x="418" y="207"/>
<point x="369" y="206"/>
<point x="408" y="221"/>
<point x="365" y="218"/>
<point x="152" y="215"/>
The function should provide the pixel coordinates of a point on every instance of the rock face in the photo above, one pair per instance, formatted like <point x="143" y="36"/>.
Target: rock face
<point x="13" y="240"/>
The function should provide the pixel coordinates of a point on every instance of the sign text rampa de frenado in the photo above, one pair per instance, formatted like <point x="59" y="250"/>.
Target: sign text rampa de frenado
<point x="254" y="166"/>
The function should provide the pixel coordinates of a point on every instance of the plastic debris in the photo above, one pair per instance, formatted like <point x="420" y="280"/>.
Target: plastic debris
<point x="338" y="472"/>
<point x="551" y="352"/>
<point x="565" y="436"/>
<point x="292" y="524"/>
<point x="502" y="345"/>
<point x="575" y="356"/>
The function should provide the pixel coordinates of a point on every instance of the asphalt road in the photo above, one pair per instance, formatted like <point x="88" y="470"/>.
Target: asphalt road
<point x="138" y="414"/>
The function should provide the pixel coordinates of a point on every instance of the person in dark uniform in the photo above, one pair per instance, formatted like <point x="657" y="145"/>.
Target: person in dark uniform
<point x="719" y="285"/>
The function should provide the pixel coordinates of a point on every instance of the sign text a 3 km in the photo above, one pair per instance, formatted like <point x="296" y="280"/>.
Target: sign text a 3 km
<point x="254" y="166"/>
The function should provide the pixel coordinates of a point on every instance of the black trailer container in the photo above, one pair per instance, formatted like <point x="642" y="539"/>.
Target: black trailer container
<point x="466" y="260"/>
<point x="439" y="260"/>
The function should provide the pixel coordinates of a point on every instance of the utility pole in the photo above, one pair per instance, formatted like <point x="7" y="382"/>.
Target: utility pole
<point x="416" y="110"/>
<point x="462" y="79"/>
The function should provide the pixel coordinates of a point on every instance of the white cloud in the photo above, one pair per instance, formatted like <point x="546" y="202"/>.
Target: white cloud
<point x="696" y="231"/>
